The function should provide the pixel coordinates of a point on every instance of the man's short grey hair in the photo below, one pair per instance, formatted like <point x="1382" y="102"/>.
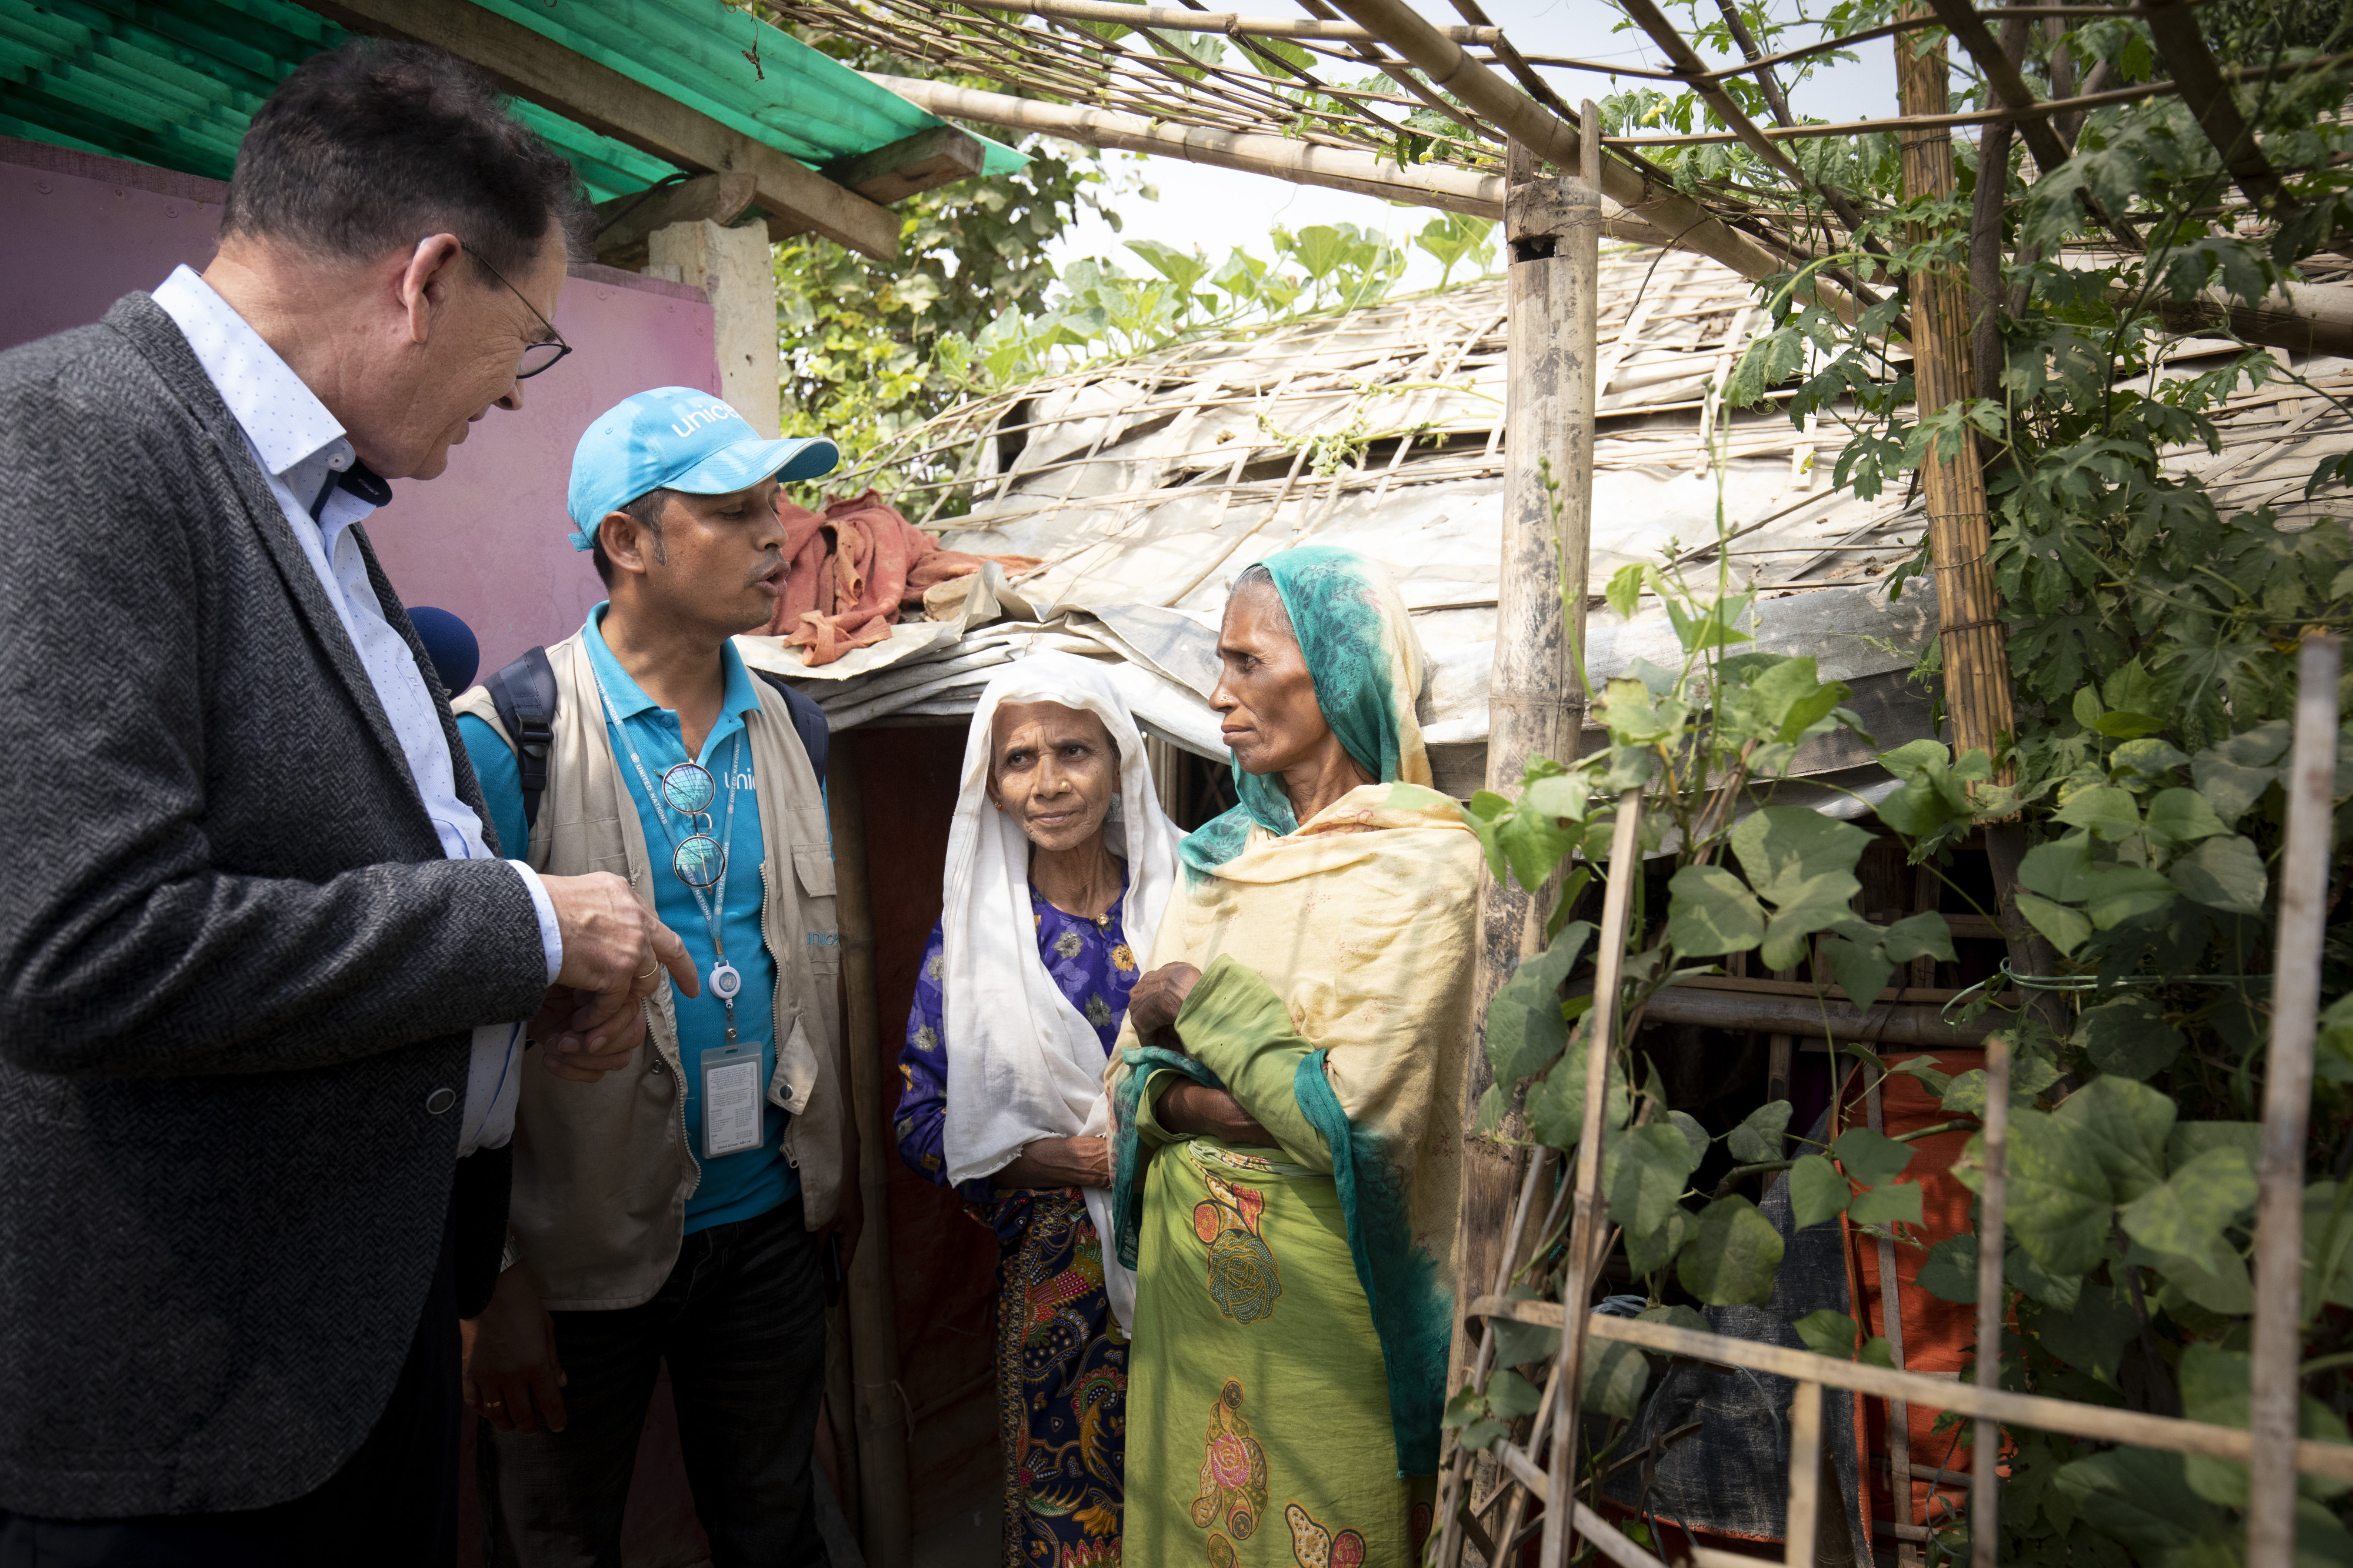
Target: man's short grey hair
<point x="373" y="146"/>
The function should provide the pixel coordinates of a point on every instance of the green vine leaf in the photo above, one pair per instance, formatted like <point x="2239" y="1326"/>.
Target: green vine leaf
<point x="1871" y="1157"/>
<point x="2187" y="1214"/>
<point x="1817" y="1192"/>
<point x="2125" y="1125"/>
<point x="1525" y="1031"/>
<point x="1612" y="1378"/>
<point x="1710" y="911"/>
<point x="2059" y="1201"/>
<point x="1732" y="1255"/>
<point x="2128" y="1038"/>
<point x="1645" y="1173"/>
<point x="2226" y="874"/>
<point x="1762" y="1132"/>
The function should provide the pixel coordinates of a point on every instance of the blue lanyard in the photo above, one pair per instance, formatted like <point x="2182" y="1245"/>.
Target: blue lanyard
<point x="725" y="980"/>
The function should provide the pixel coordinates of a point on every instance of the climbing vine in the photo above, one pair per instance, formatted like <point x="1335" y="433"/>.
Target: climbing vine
<point x="2152" y="635"/>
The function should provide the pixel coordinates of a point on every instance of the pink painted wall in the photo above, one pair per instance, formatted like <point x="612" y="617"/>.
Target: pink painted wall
<point x="485" y="541"/>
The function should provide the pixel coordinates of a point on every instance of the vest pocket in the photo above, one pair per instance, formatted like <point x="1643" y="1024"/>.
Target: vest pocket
<point x="813" y="863"/>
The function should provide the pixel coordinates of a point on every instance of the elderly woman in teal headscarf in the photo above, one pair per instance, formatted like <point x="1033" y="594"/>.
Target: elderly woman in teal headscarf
<point x="1285" y="1104"/>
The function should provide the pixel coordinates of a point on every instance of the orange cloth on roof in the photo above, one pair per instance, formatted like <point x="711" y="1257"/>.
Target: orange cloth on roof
<point x="854" y="567"/>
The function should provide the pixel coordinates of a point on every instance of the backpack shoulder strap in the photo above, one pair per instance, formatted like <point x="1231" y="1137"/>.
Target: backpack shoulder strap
<point x="524" y="695"/>
<point x="809" y="722"/>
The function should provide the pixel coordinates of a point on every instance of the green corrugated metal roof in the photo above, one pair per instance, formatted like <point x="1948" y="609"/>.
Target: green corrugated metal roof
<point x="173" y="82"/>
<point x="739" y="70"/>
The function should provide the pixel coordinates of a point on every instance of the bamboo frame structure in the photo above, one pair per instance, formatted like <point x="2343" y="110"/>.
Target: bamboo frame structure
<point x="1144" y="76"/>
<point x="1133" y="62"/>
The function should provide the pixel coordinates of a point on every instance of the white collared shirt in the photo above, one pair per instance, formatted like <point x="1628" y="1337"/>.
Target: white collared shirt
<point x="299" y="446"/>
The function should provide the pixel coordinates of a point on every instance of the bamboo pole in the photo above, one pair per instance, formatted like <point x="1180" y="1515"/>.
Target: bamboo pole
<point x="2278" y="1346"/>
<point x="1590" y="1226"/>
<point x="1891" y="1324"/>
<point x="1689" y="226"/>
<point x="1977" y="664"/>
<point x="1532" y="703"/>
<point x="1553" y="230"/>
<point x="1228" y="23"/>
<point x="1803" y="1520"/>
<point x="1985" y="1441"/>
<point x="1300" y="163"/>
<point x="886" y="1515"/>
<point x="2101" y="1423"/>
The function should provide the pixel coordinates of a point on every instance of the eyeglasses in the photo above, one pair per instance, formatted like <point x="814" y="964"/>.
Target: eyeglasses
<point x="537" y="357"/>
<point x="689" y="789"/>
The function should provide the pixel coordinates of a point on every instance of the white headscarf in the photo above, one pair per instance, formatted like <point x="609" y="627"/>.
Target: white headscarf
<point x="1023" y="1062"/>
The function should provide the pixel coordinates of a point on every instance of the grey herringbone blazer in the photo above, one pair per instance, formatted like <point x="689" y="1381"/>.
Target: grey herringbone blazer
<point x="237" y="967"/>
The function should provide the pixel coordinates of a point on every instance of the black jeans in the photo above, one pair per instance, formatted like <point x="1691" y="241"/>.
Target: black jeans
<point x="394" y="1503"/>
<point x="742" y="1322"/>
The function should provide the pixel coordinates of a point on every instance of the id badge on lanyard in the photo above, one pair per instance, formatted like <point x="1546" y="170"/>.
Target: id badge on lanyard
<point x="732" y="1101"/>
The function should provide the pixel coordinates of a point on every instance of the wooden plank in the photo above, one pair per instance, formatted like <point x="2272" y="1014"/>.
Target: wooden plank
<point x="540" y="71"/>
<point x="626" y="223"/>
<point x="2102" y="1423"/>
<point x="940" y="156"/>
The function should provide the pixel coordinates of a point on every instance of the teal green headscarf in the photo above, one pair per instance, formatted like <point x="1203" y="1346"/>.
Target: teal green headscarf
<point x="1360" y="648"/>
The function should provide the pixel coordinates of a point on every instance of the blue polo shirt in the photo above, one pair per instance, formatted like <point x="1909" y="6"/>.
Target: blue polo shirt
<point x="734" y="1186"/>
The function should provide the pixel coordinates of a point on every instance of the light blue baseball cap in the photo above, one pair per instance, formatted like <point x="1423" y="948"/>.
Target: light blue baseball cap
<point x="676" y="438"/>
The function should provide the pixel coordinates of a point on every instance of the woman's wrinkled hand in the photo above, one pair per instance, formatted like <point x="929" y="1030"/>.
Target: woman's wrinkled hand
<point x="1156" y="1000"/>
<point x="1050" y="1163"/>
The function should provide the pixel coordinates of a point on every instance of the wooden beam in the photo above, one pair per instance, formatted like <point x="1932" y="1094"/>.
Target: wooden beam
<point x="1884" y="1023"/>
<point x="938" y="156"/>
<point x="869" y="1312"/>
<point x="542" y="71"/>
<point x="2183" y="48"/>
<point x="626" y="223"/>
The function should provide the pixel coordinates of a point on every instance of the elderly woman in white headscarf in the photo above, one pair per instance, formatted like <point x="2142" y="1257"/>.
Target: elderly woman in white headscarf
<point x="1059" y="866"/>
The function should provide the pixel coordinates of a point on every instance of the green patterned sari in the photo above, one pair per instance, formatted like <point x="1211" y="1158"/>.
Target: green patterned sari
<point x="1259" y="1430"/>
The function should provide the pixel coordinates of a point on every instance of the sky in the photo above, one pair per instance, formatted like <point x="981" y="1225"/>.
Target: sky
<point x="1215" y="210"/>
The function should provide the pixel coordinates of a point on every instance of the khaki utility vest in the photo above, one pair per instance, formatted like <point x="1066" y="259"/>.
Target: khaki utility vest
<point x="602" y="1171"/>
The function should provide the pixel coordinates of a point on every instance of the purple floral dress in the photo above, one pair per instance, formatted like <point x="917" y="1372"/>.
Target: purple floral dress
<point x="1061" y="1361"/>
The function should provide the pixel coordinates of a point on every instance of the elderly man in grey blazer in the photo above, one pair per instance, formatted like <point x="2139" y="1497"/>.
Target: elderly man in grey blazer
<point x="266" y="977"/>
